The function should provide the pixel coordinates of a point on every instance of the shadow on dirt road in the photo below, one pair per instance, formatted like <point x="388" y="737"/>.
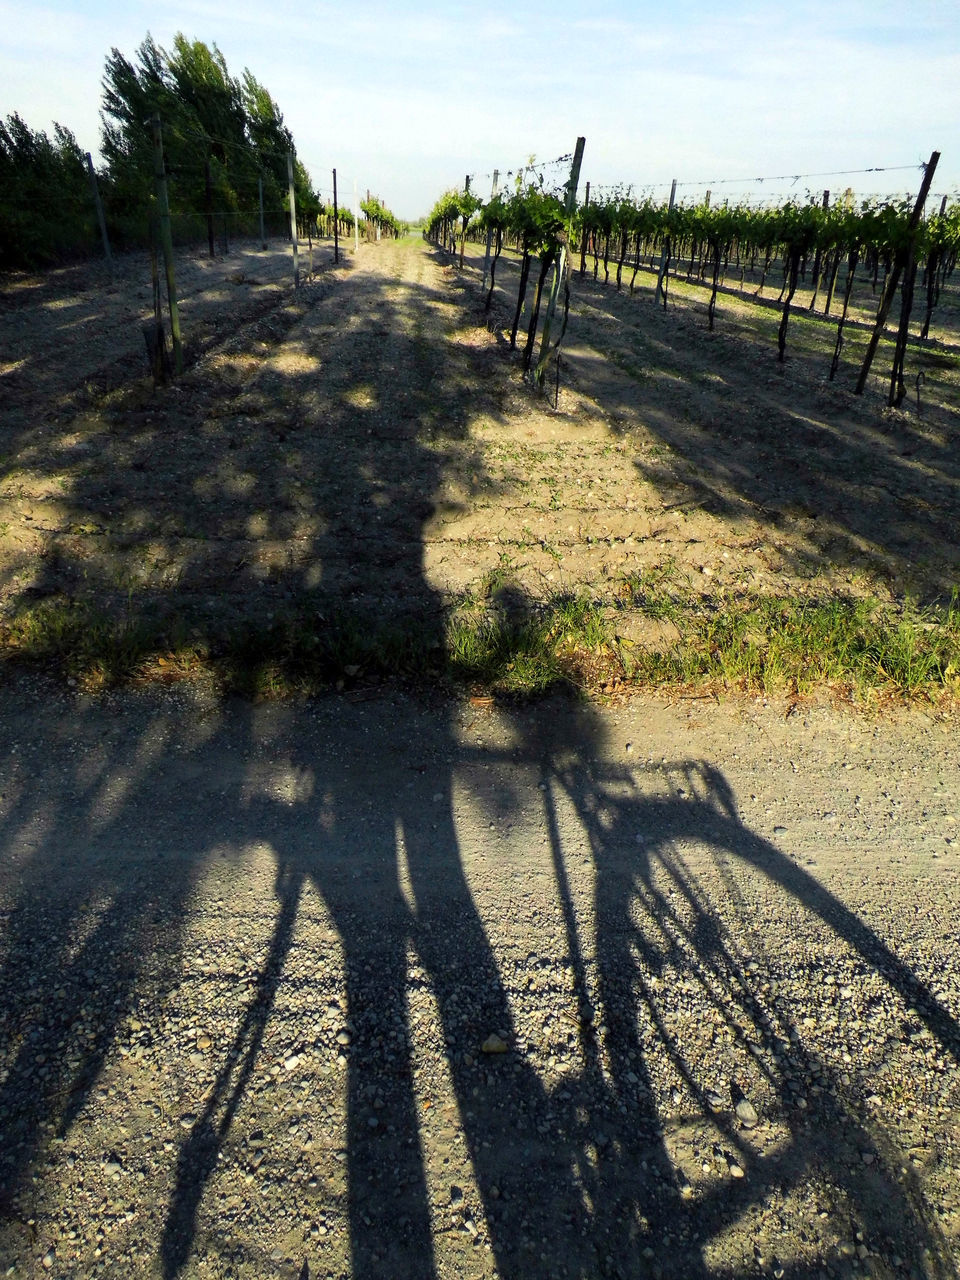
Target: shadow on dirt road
<point x="377" y="812"/>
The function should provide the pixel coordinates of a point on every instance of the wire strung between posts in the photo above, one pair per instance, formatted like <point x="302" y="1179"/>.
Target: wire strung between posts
<point x="536" y="167"/>
<point x="793" y="178"/>
<point x="228" y="213"/>
<point x="258" y="152"/>
<point x="184" y="135"/>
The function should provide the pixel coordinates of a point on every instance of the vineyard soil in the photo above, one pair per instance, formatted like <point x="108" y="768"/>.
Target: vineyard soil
<point x="368" y="440"/>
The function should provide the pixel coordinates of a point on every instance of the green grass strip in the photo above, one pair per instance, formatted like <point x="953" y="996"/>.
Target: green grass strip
<point x="510" y="645"/>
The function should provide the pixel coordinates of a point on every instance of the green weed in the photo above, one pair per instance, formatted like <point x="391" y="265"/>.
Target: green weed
<point x="501" y="641"/>
<point x="790" y="646"/>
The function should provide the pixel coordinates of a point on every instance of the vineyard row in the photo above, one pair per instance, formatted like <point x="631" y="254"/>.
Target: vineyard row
<point x="890" y="243"/>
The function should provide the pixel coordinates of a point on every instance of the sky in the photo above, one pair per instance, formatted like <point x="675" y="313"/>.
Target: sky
<point x="405" y="99"/>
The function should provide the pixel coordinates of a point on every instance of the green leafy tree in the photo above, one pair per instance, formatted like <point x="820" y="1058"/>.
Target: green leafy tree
<point x="216" y="128"/>
<point x="46" y="209"/>
<point x="132" y="95"/>
<point x="270" y="139"/>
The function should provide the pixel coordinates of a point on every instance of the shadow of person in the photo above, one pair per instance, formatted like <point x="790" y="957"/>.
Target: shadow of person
<point x="378" y="844"/>
<point x="578" y="1172"/>
<point x="382" y="851"/>
<point x="584" y="1171"/>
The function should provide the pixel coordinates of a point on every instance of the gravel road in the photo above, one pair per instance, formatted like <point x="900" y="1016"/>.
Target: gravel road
<point x="369" y="988"/>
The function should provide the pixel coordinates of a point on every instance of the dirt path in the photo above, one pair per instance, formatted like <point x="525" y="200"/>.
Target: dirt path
<point x="368" y="989"/>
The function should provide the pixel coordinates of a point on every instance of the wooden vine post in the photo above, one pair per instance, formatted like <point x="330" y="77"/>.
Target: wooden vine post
<point x="665" y="256"/>
<point x="208" y="194"/>
<point x="583" y="242"/>
<point x="818" y="259"/>
<point x="934" y="277"/>
<point x="153" y="329"/>
<point x="852" y="261"/>
<point x="464" y="219"/>
<point x="166" y="241"/>
<point x="98" y="205"/>
<point x="795" y="253"/>
<point x="562" y="269"/>
<point x="263" y="238"/>
<point x="486" y="257"/>
<point x="900" y="261"/>
<point x="336" y="220"/>
<point x="293" y="222"/>
<point x="712" y="308"/>
<point x="897" y="386"/>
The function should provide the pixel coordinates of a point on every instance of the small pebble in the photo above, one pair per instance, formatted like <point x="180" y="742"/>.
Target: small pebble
<point x="494" y="1044"/>
<point x="747" y="1113"/>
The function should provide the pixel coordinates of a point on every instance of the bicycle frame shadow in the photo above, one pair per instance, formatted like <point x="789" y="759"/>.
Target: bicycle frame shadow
<point x="656" y="922"/>
<point x="579" y="1172"/>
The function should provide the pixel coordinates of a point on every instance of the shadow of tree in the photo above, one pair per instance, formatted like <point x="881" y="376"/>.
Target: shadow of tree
<point x="71" y="334"/>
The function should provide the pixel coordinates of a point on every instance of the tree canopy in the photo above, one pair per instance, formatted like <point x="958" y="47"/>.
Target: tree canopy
<point x="222" y="136"/>
<point x="216" y="127"/>
<point x="44" y="194"/>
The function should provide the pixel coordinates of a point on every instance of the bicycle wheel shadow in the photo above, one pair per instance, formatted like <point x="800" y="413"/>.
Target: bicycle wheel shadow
<point x="578" y="1160"/>
<point x="661" y="923"/>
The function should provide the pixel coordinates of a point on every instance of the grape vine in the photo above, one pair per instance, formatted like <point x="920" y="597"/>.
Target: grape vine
<point x="827" y="247"/>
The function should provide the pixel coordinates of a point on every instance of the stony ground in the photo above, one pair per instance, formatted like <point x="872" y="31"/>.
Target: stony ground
<point x="369" y="988"/>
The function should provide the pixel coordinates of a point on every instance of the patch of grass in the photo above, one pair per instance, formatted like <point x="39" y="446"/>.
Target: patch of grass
<point x="781" y="645"/>
<point x="519" y="648"/>
<point x="658" y="592"/>
<point x="499" y="579"/>
<point x="302" y="655"/>
<point x="83" y="643"/>
<point x="503" y="642"/>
